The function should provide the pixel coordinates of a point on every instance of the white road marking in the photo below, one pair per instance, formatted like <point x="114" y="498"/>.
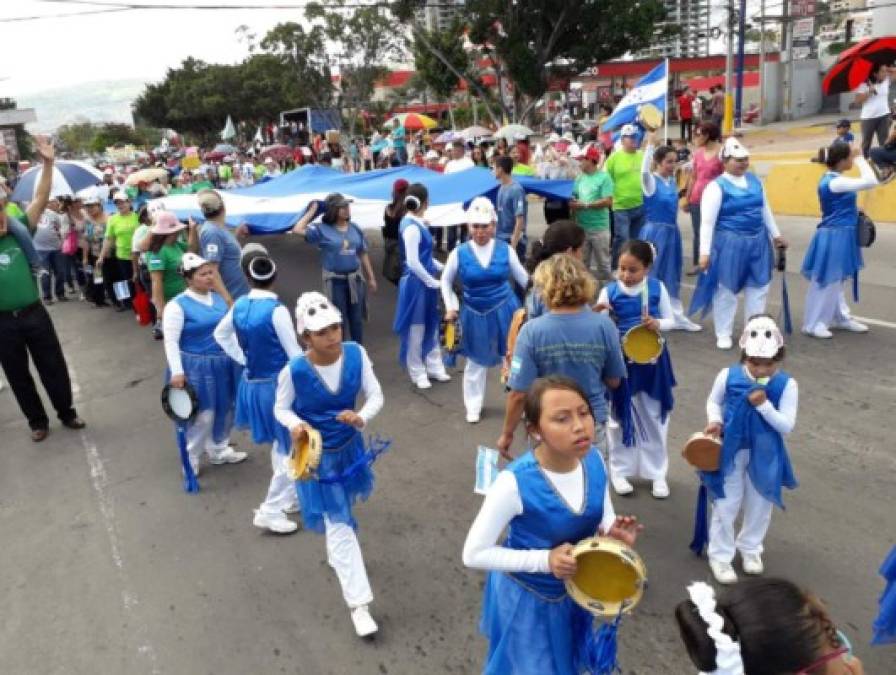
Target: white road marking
<point x="100" y="479"/>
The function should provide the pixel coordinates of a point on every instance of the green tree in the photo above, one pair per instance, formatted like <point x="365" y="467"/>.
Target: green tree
<point x="442" y="81"/>
<point x="77" y="137"/>
<point x="304" y="53"/>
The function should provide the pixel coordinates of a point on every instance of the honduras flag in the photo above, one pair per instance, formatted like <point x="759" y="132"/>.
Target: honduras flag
<point x="652" y="88"/>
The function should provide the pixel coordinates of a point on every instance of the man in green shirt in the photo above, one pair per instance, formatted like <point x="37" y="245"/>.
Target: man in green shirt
<point x="624" y="167"/>
<point x="26" y="328"/>
<point x="592" y="197"/>
<point x="120" y="229"/>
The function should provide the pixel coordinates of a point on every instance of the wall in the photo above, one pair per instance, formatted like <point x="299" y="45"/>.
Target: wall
<point x="773" y="101"/>
<point x="806" y="88"/>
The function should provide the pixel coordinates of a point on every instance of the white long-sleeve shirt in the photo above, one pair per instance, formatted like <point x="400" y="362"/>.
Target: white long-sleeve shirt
<point x="781" y="419"/>
<point x="502" y="504"/>
<point x="484" y="256"/>
<point x="648" y="177"/>
<point x="711" y="203"/>
<point x="331" y="375"/>
<point x="666" y="318"/>
<point x="225" y="335"/>
<point x="173" y="324"/>
<point x="866" y="180"/>
<point x="411" y="239"/>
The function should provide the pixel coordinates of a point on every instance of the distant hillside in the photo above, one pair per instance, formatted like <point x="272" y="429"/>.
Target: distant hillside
<point x="101" y="101"/>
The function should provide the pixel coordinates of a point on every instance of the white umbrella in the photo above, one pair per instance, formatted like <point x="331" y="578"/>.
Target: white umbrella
<point x="513" y="131"/>
<point x="68" y="178"/>
<point x="229" y="130"/>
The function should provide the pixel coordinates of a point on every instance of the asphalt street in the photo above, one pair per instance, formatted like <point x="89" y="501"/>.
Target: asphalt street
<point x="109" y="567"/>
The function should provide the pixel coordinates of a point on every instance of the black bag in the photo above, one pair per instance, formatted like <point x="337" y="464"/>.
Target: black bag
<point x="866" y="232"/>
<point x="392" y="260"/>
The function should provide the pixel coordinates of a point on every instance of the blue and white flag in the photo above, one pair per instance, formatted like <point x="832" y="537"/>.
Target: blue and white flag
<point x="651" y="88"/>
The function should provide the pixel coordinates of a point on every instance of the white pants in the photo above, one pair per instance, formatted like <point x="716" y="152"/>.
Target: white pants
<point x="826" y="306"/>
<point x="724" y="307"/>
<point x="199" y="438"/>
<point x="475" y="379"/>
<point x="344" y="556"/>
<point x="678" y="313"/>
<point x="649" y="458"/>
<point x="282" y="490"/>
<point x="416" y="367"/>
<point x="757" y="515"/>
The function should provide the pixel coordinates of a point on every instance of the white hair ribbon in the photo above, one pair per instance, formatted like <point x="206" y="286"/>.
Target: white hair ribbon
<point x="728" y="659"/>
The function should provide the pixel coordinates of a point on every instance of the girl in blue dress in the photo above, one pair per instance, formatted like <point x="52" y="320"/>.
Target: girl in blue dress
<point x="661" y="224"/>
<point x="194" y="357"/>
<point x="258" y="333"/>
<point x="548" y="500"/>
<point x="485" y="266"/>
<point x="737" y="232"/>
<point x="344" y="259"/>
<point x="752" y="405"/>
<point x="834" y="256"/>
<point x="639" y="419"/>
<point x="417" y="311"/>
<point x="319" y="389"/>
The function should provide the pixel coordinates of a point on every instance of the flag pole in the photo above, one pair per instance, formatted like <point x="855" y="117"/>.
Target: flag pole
<point x="666" y="115"/>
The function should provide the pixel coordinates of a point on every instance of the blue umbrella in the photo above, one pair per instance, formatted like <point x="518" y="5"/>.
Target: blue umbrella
<point x="68" y="178"/>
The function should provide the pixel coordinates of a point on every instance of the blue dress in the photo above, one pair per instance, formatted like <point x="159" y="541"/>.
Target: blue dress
<point x="489" y="304"/>
<point x="343" y="445"/>
<point x="661" y="229"/>
<point x="532" y="625"/>
<point x="741" y="253"/>
<point x="744" y="428"/>
<point x="654" y="379"/>
<point x="834" y="254"/>
<point x="212" y="373"/>
<point x="417" y="303"/>
<point x="265" y="358"/>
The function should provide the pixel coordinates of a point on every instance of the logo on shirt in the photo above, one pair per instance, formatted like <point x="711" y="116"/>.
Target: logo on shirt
<point x="211" y="249"/>
<point x="6" y="259"/>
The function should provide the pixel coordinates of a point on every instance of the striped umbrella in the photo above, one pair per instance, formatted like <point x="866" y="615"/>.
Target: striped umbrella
<point x="68" y="178"/>
<point x="412" y="121"/>
<point x="854" y="65"/>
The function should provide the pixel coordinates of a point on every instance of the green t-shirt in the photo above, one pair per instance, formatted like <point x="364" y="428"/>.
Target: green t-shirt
<point x="167" y="261"/>
<point x="591" y="188"/>
<point x="12" y="209"/>
<point x="225" y="172"/>
<point x="18" y="288"/>
<point x="625" y="170"/>
<point x="121" y="229"/>
<point x="522" y="170"/>
<point x="202" y="185"/>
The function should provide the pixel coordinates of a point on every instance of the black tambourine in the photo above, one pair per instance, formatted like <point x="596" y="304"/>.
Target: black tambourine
<point x="181" y="405"/>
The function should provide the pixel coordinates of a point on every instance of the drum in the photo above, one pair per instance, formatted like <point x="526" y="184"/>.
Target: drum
<point x="650" y="117"/>
<point x="703" y="452"/>
<point x="642" y="345"/>
<point x="610" y="577"/>
<point x="305" y="458"/>
<point x="181" y="405"/>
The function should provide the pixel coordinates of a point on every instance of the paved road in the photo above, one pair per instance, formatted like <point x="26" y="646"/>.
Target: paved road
<point x="108" y="567"/>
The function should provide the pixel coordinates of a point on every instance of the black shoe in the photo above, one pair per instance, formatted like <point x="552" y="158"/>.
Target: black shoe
<point x="74" y="423"/>
<point x="37" y="435"/>
<point x="121" y="308"/>
<point x="62" y="298"/>
<point x="48" y="301"/>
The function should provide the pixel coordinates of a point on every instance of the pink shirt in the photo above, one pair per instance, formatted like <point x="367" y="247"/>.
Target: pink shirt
<point x="705" y="171"/>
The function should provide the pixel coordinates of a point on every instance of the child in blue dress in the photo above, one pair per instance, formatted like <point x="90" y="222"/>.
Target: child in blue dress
<point x="194" y="357"/>
<point x="258" y="333"/>
<point x="752" y="405"/>
<point x="639" y="420"/>
<point x="319" y="389"/>
<point x="548" y="499"/>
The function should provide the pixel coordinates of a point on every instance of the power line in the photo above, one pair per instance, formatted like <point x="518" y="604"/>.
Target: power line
<point x="62" y="15"/>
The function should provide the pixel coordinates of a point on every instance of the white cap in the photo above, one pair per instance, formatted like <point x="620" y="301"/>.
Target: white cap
<point x="733" y="149"/>
<point x="628" y="130"/>
<point x="761" y="338"/>
<point x="314" y="312"/>
<point x="120" y="196"/>
<point x="481" y="211"/>
<point x="89" y="196"/>
<point x="431" y="154"/>
<point x="191" y="261"/>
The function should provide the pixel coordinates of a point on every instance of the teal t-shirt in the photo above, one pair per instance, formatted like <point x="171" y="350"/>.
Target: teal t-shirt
<point x="592" y="187"/>
<point x="625" y="170"/>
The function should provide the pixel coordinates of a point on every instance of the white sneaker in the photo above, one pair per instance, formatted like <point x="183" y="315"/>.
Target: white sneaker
<point x="423" y="383"/>
<point x="689" y="326"/>
<point x="292" y="508"/>
<point x="724" y="342"/>
<point x="473" y="417"/>
<point x="752" y="563"/>
<point x="621" y="485"/>
<point x="723" y="572"/>
<point x="227" y="456"/>
<point x="278" y="523"/>
<point x="440" y="377"/>
<point x="194" y="464"/>
<point x="819" y="331"/>
<point x="365" y="626"/>
<point x="660" y="489"/>
<point x="852" y="326"/>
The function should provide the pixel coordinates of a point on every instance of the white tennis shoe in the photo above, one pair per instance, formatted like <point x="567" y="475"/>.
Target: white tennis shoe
<point x="277" y="523"/>
<point x="723" y="572"/>
<point x="852" y="326"/>
<point x="819" y="331"/>
<point x="660" y="489"/>
<point x="724" y="342"/>
<point x="365" y="626"/>
<point x="752" y="563"/>
<point x="227" y="456"/>
<point x="621" y="485"/>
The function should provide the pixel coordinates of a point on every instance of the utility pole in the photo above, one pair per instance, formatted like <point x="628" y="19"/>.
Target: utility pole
<point x="727" y="117"/>
<point x="762" y="64"/>
<point x="741" y="37"/>
<point x="787" y="28"/>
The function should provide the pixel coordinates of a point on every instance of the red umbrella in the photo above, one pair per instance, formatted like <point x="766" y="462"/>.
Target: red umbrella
<point x="214" y="156"/>
<point x="278" y="152"/>
<point x="854" y="65"/>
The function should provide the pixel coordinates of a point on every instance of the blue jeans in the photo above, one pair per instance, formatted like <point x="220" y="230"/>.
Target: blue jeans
<point x="401" y="154"/>
<point x="352" y="314"/>
<point x="52" y="262"/>
<point x="883" y="157"/>
<point x="626" y="225"/>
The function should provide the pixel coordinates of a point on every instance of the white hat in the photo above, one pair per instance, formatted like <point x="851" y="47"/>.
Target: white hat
<point x="761" y="338"/>
<point x="481" y="211"/>
<point x="733" y="149"/>
<point x="120" y="196"/>
<point x="628" y="130"/>
<point x="191" y="261"/>
<point x="314" y="312"/>
<point x="432" y="154"/>
<point x="210" y="202"/>
<point x="89" y="196"/>
<point x="554" y="137"/>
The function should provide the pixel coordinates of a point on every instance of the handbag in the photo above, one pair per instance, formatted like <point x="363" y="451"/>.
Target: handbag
<point x="141" y="305"/>
<point x="70" y="243"/>
<point x="866" y="232"/>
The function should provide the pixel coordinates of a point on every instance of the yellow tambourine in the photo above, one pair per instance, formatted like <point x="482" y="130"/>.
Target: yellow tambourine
<point x="642" y="345"/>
<point x="305" y="458"/>
<point x="650" y="117"/>
<point x="450" y="336"/>
<point x="610" y="577"/>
